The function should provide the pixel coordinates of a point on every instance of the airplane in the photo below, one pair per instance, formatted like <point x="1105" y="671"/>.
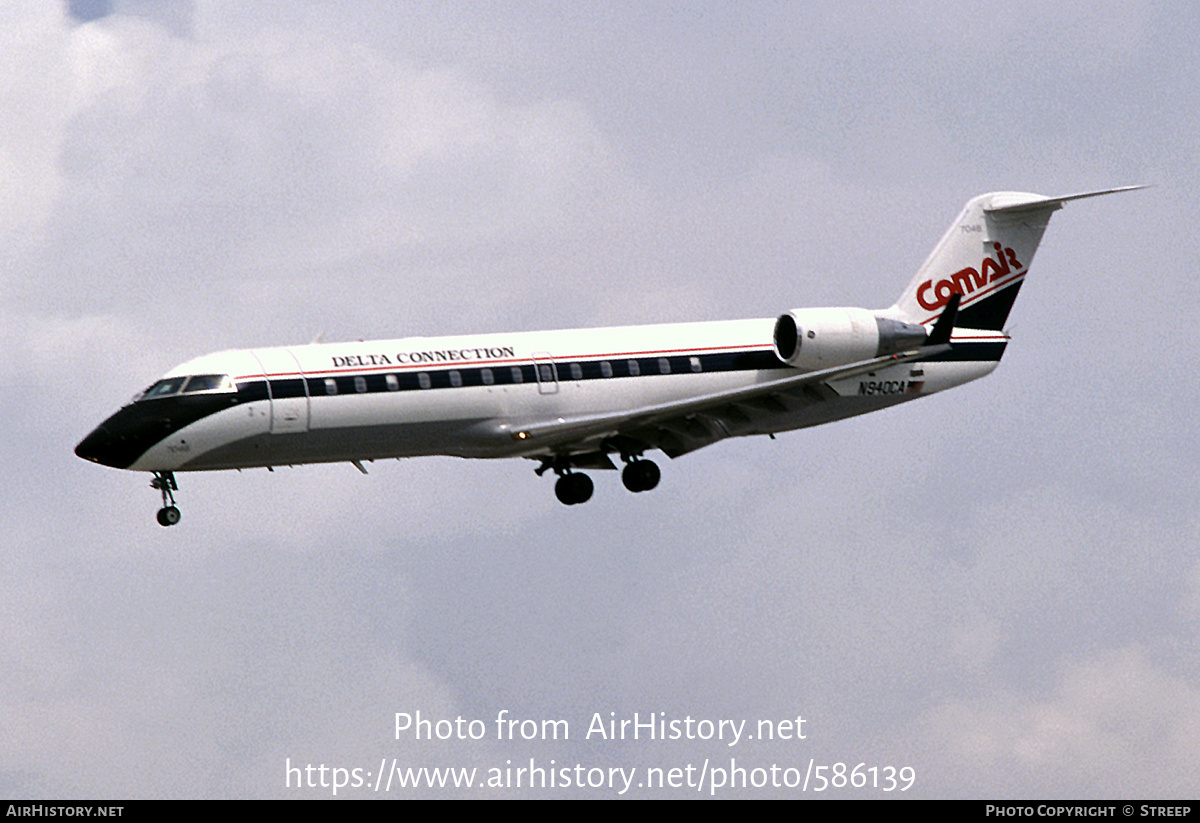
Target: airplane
<point x="573" y="399"/>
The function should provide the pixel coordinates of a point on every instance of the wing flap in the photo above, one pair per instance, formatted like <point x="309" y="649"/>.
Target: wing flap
<point x="674" y="426"/>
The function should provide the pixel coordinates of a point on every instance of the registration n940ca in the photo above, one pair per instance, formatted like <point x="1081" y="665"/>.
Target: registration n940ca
<point x="575" y="400"/>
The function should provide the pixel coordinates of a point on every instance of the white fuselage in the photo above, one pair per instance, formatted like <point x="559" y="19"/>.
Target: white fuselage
<point x="466" y="396"/>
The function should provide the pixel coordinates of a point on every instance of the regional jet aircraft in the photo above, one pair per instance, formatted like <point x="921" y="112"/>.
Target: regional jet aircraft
<point x="573" y="400"/>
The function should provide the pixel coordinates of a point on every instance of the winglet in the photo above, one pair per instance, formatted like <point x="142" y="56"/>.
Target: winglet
<point x="940" y="334"/>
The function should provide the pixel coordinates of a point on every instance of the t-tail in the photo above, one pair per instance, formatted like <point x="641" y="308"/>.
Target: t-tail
<point x="984" y="256"/>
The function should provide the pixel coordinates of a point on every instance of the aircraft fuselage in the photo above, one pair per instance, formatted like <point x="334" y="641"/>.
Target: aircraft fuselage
<point x="573" y="399"/>
<point x="470" y="396"/>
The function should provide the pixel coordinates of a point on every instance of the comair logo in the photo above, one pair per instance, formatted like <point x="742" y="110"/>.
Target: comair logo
<point x="966" y="281"/>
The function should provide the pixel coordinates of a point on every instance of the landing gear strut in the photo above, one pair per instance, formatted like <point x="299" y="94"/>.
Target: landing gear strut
<point x="640" y="475"/>
<point x="571" y="488"/>
<point x="169" y="514"/>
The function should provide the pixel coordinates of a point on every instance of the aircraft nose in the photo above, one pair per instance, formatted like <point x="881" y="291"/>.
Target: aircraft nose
<point x="106" y="448"/>
<point x="124" y="437"/>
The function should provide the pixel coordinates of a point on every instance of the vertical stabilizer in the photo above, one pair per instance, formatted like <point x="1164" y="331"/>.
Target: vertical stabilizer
<point x="984" y="256"/>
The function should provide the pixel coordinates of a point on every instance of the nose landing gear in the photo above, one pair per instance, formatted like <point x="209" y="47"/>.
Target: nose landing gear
<point x="169" y="514"/>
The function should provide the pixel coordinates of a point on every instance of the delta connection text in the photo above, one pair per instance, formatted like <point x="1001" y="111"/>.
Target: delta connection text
<point x="342" y="361"/>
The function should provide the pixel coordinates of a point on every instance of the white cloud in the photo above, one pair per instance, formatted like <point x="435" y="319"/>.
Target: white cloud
<point x="35" y="95"/>
<point x="1115" y="724"/>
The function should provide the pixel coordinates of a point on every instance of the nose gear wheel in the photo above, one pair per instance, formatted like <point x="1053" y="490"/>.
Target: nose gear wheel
<point x="169" y="514"/>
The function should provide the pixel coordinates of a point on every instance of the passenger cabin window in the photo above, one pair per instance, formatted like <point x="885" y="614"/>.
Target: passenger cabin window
<point x="664" y="365"/>
<point x="393" y="382"/>
<point x="423" y="380"/>
<point x="576" y="371"/>
<point x="605" y="368"/>
<point x="634" y="369"/>
<point x="517" y="377"/>
<point x="360" y="384"/>
<point x="694" y="362"/>
<point x="330" y="386"/>
<point x="487" y="377"/>
<point x="455" y="379"/>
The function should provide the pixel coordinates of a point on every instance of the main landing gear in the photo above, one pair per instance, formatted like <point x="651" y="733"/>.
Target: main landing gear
<point x="573" y="488"/>
<point x="640" y="475"/>
<point x="169" y="514"/>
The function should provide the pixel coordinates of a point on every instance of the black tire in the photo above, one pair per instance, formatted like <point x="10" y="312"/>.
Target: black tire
<point x="168" y="516"/>
<point x="572" y="489"/>
<point x="641" y="475"/>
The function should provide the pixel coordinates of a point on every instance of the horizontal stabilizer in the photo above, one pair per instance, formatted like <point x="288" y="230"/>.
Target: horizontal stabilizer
<point x="1004" y="203"/>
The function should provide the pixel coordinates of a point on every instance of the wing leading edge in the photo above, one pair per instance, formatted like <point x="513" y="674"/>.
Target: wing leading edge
<point x="682" y="426"/>
<point x="679" y="427"/>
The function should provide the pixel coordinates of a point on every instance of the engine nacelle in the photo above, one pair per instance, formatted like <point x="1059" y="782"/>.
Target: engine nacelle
<point x="813" y="339"/>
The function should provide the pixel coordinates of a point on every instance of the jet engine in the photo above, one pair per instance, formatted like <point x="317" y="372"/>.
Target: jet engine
<point x="811" y="339"/>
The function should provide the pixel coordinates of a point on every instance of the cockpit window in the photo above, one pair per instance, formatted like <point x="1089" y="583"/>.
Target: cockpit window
<point x="209" y="382"/>
<point x="171" y="386"/>
<point x="164" y="388"/>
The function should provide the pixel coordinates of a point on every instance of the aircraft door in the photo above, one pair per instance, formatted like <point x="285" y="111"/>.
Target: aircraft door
<point x="546" y="372"/>
<point x="287" y="389"/>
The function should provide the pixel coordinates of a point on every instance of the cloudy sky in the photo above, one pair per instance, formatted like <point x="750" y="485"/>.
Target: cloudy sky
<point x="998" y="587"/>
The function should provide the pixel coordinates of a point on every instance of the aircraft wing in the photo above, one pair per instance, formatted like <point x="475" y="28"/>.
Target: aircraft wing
<point x="681" y="426"/>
